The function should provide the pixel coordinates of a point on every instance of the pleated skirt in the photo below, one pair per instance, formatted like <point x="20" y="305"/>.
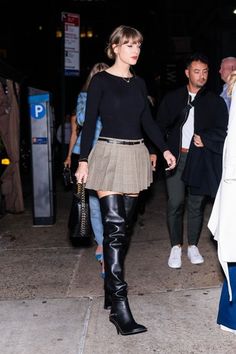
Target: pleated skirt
<point x="118" y="167"/>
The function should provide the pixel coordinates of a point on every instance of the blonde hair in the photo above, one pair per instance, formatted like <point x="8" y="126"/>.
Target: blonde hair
<point x="95" y="69"/>
<point x="122" y="35"/>
<point x="231" y="81"/>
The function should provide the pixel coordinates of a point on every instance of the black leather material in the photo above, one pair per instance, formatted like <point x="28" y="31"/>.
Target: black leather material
<point x="130" y="207"/>
<point x="122" y="142"/>
<point x="114" y="243"/>
<point x="114" y="249"/>
<point x="107" y="299"/>
<point x="122" y="318"/>
<point x="130" y="204"/>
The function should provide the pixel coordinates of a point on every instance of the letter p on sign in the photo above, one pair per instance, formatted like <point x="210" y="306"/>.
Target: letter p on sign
<point x="37" y="111"/>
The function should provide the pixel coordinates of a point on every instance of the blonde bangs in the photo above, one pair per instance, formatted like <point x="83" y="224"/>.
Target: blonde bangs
<point x="132" y="34"/>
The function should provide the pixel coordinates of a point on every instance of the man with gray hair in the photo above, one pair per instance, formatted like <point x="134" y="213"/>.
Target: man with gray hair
<point x="228" y="64"/>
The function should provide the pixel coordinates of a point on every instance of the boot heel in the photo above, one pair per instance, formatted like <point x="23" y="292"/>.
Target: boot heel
<point x="111" y="319"/>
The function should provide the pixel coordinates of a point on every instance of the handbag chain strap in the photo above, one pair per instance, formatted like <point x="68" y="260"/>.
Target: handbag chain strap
<point x="81" y="193"/>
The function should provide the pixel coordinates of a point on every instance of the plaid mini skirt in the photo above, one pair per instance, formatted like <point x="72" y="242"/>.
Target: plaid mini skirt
<point x="121" y="166"/>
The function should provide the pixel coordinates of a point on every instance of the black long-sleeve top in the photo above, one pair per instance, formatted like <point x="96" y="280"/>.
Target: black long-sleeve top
<point x="124" y="110"/>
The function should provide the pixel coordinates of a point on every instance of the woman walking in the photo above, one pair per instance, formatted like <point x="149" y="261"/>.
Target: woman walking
<point x="119" y="167"/>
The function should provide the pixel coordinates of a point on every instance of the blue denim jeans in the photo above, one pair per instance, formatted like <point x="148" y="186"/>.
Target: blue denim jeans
<point x="95" y="217"/>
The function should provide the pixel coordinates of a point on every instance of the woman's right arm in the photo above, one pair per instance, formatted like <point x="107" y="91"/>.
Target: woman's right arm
<point x="81" y="173"/>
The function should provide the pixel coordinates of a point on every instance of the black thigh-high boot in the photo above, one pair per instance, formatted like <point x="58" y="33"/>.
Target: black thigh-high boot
<point x="130" y="204"/>
<point x="114" y="249"/>
<point x="130" y="207"/>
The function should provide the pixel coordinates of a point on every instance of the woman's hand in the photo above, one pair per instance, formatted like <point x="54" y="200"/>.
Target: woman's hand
<point x="153" y="159"/>
<point x="67" y="162"/>
<point x="170" y="159"/>
<point x="81" y="173"/>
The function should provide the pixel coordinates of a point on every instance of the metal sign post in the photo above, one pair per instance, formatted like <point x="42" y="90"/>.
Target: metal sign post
<point x="41" y="151"/>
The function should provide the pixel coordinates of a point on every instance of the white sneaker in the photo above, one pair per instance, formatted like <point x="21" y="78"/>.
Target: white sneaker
<point x="174" y="260"/>
<point x="227" y="329"/>
<point x="194" y="255"/>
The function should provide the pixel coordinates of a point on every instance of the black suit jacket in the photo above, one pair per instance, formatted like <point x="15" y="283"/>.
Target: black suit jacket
<point x="204" y="165"/>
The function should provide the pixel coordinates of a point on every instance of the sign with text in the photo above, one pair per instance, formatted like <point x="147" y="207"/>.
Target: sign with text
<point x="71" y="22"/>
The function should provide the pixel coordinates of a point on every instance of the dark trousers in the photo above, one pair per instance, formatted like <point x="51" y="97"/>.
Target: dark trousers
<point x="177" y="194"/>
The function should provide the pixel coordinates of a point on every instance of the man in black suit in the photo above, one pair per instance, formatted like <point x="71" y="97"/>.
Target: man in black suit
<point x="194" y="122"/>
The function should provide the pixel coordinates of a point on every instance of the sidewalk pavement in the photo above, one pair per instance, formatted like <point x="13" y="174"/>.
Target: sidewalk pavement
<point x="52" y="296"/>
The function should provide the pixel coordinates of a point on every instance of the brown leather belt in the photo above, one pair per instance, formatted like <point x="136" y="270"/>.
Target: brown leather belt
<point x="123" y="142"/>
<point x="184" y="150"/>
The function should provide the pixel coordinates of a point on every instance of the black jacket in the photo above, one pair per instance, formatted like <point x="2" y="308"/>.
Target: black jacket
<point x="204" y="165"/>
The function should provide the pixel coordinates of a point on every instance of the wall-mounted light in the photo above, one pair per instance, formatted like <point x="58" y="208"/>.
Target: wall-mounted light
<point x="234" y="12"/>
<point x="89" y="33"/>
<point x="58" y="33"/>
<point x="86" y="33"/>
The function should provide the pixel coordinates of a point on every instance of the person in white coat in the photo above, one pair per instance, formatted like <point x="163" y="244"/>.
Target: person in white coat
<point x="222" y="220"/>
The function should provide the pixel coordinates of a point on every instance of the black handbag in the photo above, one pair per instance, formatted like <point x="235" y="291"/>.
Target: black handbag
<point x="67" y="178"/>
<point x="80" y="233"/>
